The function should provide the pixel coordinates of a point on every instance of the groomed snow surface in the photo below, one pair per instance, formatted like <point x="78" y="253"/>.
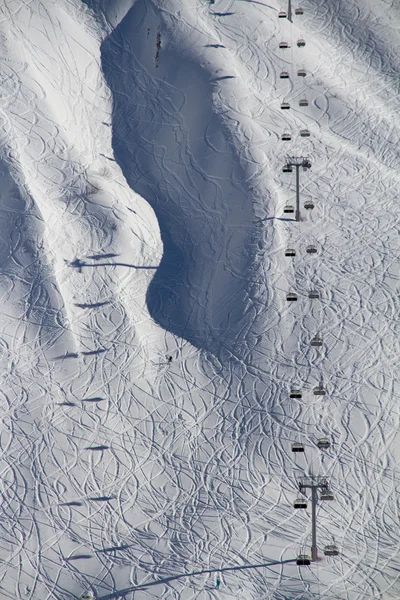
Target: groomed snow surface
<point x="147" y="348"/>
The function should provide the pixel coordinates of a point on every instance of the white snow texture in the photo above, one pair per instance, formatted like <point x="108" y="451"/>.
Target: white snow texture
<point x="147" y="347"/>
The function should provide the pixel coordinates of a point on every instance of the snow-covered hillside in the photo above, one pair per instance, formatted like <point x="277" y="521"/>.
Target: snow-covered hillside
<point x="148" y="350"/>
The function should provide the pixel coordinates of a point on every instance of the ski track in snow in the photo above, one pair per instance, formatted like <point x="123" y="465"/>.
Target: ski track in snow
<point x="142" y="218"/>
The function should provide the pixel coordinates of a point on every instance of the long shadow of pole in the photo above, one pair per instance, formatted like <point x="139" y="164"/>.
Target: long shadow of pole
<point x="192" y="574"/>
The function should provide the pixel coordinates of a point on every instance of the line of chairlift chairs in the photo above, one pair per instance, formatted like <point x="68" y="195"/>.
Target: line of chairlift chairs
<point x="311" y="249"/>
<point x="325" y="495"/>
<point x="322" y="443"/>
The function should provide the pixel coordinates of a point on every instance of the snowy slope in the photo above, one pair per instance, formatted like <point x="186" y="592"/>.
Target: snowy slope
<point x="142" y="218"/>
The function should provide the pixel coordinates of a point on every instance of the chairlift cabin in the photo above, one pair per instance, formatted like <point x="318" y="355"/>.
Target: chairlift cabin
<point x="290" y="252"/>
<point x="313" y="295"/>
<point x="319" y="391"/>
<point x="301" y="73"/>
<point x="301" y="43"/>
<point x="291" y="297"/>
<point x="305" y="133"/>
<point x="303" y="102"/>
<point x="303" y="560"/>
<point x="311" y="249"/>
<point x="316" y="342"/>
<point x="288" y="209"/>
<point x="287" y="169"/>
<point x="297" y="447"/>
<point x="298" y="11"/>
<point x="285" y="106"/>
<point x="323" y="443"/>
<point x="286" y="137"/>
<point x="300" y="503"/>
<point x="331" y="550"/>
<point x="326" y="495"/>
<point x="284" y="75"/>
<point x="283" y="45"/>
<point x="295" y="393"/>
<point x="309" y="205"/>
<point x="282" y="14"/>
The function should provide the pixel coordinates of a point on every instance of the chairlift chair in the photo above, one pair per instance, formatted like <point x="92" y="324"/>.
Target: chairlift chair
<point x="313" y="294"/>
<point x="305" y="133"/>
<point x="300" y="503"/>
<point x="311" y="249"/>
<point x="298" y="11"/>
<point x="326" y="495"/>
<point x="283" y="45"/>
<point x="284" y="75"/>
<point x="291" y="297"/>
<point x="303" y="102"/>
<point x="308" y="205"/>
<point x="306" y="164"/>
<point x="323" y="443"/>
<point x="301" y="73"/>
<point x="316" y="342"/>
<point x="331" y="550"/>
<point x="285" y="106"/>
<point x="319" y="391"/>
<point x="290" y="252"/>
<point x="297" y="447"/>
<point x="295" y="393"/>
<point x="282" y="14"/>
<point x="303" y="560"/>
<point x="287" y="169"/>
<point x="288" y="209"/>
<point x="301" y="43"/>
<point x="286" y="137"/>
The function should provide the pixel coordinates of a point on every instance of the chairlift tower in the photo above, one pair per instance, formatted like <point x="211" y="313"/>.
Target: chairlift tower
<point x="298" y="162"/>
<point x="289" y="11"/>
<point x="314" y="484"/>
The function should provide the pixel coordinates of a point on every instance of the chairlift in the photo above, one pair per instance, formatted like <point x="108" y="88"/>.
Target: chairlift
<point x="305" y="133"/>
<point x="311" y="249"/>
<point x="288" y="209"/>
<point x="291" y="297"/>
<point x="316" y="342"/>
<point x="301" y="73"/>
<point x="306" y="164"/>
<point x="313" y="295"/>
<point x="300" y="503"/>
<point x="286" y="137"/>
<point x="323" y="443"/>
<point x="290" y="252"/>
<point x="303" y="560"/>
<point x="301" y="43"/>
<point x="295" y="393"/>
<point x="303" y="102"/>
<point x="326" y="495"/>
<point x="283" y="45"/>
<point x="331" y="550"/>
<point x="298" y="11"/>
<point x="287" y="169"/>
<point x="297" y="447"/>
<point x="308" y="205"/>
<point x="284" y="75"/>
<point x="285" y="106"/>
<point x="282" y="14"/>
<point x="319" y="391"/>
